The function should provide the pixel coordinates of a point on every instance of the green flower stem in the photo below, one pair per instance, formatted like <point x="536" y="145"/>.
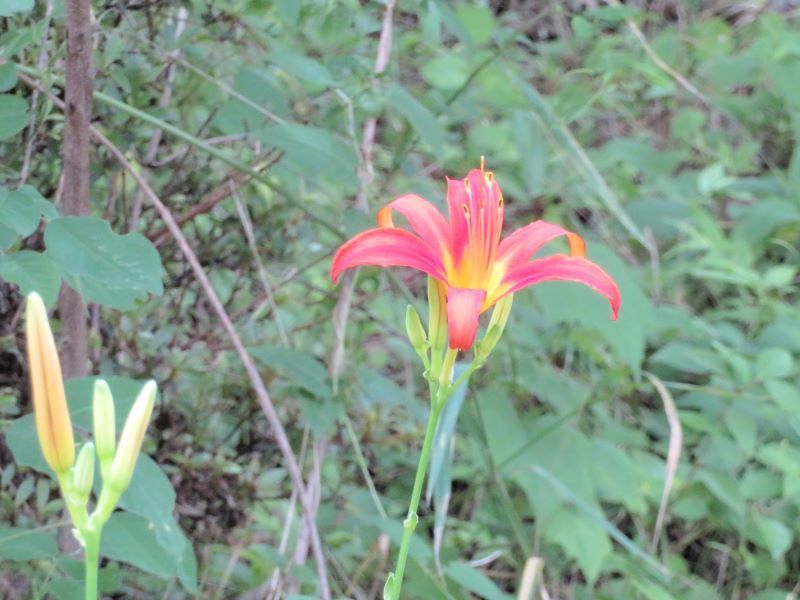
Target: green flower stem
<point x="91" y="549"/>
<point x="410" y="524"/>
<point x="75" y="507"/>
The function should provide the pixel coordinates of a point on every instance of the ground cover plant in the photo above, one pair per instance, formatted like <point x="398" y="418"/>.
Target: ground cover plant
<point x="191" y="189"/>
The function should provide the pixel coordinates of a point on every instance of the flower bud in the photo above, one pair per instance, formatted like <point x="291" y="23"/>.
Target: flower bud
<point x="53" y="424"/>
<point x="130" y="442"/>
<point x="416" y="333"/>
<point x="104" y="425"/>
<point x="83" y="473"/>
<point x="497" y="325"/>
<point x="437" y="320"/>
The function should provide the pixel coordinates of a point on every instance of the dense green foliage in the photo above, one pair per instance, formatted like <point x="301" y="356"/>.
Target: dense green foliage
<point x="673" y="154"/>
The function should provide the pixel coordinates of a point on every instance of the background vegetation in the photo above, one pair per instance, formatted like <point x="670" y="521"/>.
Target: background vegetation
<point x="664" y="132"/>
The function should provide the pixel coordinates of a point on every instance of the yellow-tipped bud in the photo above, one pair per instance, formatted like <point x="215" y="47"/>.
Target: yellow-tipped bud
<point x="437" y="319"/>
<point x="83" y="473"/>
<point x="53" y="424"/>
<point x="416" y="333"/>
<point x="105" y="433"/>
<point x="130" y="442"/>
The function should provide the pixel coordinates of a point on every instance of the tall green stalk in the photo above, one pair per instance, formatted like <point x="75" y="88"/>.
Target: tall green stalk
<point x="395" y="581"/>
<point x="441" y="390"/>
<point x="91" y="550"/>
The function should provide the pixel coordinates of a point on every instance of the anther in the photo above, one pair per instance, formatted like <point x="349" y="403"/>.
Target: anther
<point x="466" y="211"/>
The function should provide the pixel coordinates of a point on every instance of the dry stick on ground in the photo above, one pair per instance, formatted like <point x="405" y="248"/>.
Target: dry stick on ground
<point x="79" y="80"/>
<point x="673" y="452"/>
<point x="257" y="383"/>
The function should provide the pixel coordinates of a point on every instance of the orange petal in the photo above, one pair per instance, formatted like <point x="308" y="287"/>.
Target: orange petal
<point x="565" y="268"/>
<point x="423" y="217"/>
<point x="463" y="313"/>
<point x="389" y="247"/>
<point x="522" y="244"/>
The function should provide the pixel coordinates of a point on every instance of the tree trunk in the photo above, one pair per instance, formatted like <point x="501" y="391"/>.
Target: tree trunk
<point x="76" y="173"/>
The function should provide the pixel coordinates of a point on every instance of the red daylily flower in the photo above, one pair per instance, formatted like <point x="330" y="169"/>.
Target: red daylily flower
<point x="466" y="254"/>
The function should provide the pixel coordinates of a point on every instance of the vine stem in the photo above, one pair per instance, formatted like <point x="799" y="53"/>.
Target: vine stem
<point x="92" y="558"/>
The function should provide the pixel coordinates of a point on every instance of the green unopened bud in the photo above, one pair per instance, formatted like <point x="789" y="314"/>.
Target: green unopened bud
<point x="130" y="442"/>
<point x="497" y="325"/>
<point x="105" y="432"/>
<point x="437" y="315"/>
<point x="83" y="473"/>
<point x="416" y="333"/>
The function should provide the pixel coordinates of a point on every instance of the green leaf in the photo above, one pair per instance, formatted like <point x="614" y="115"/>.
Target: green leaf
<point x="616" y="476"/>
<point x="475" y="581"/>
<point x="773" y="363"/>
<point x="13" y="113"/>
<point x="26" y="544"/>
<point x="316" y="153"/>
<point x="32" y="272"/>
<point x="773" y="535"/>
<point x="422" y="120"/>
<point x="786" y="395"/>
<point x="446" y="72"/>
<point x="9" y="7"/>
<point x="302" y="67"/>
<point x="581" y="539"/>
<point x="104" y="267"/>
<point x="571" y="302"/>
<point x="302" y="368"/>
<point x="22" y="209"/>
<point x="129" y="538"/>
<point x="478" y="21"/>
<point x="8" y="76"/>
<point x="532" y="149"/>
<point x="260" y="95"/>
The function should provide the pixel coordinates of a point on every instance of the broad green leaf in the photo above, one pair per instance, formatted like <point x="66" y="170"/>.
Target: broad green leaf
<point x="688" y="358"/>
<point x="615" y="476"/>
<point x="13" y="114"/>
<point x="581" y="539"/>
<point x="129" y="538"/>
<point x="773" y="363"/>
<point x="259" y="98"/>
<point x="104" y="267"/>
<point x="8" y="76"/>
<point x="532" y="149"/>
<point x="786" y="395"/>
<point x="724" y="489"/>
<point x="317" y="154"/>
<point x="32" y="272"/>
<point x="422" y="120"/>
<point x="571" y="302"/>
<point x="302" y="67"/>
<point x="303" y="369"/>
<point x="27" y="544"/>
<point x="773" y="535"/>
<point x="9" y="7"/>
<point x="479" y="22"/>
<point x="23" y="208"/>
<point x="475" y="581"/>
<point x="447" y="72"/>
